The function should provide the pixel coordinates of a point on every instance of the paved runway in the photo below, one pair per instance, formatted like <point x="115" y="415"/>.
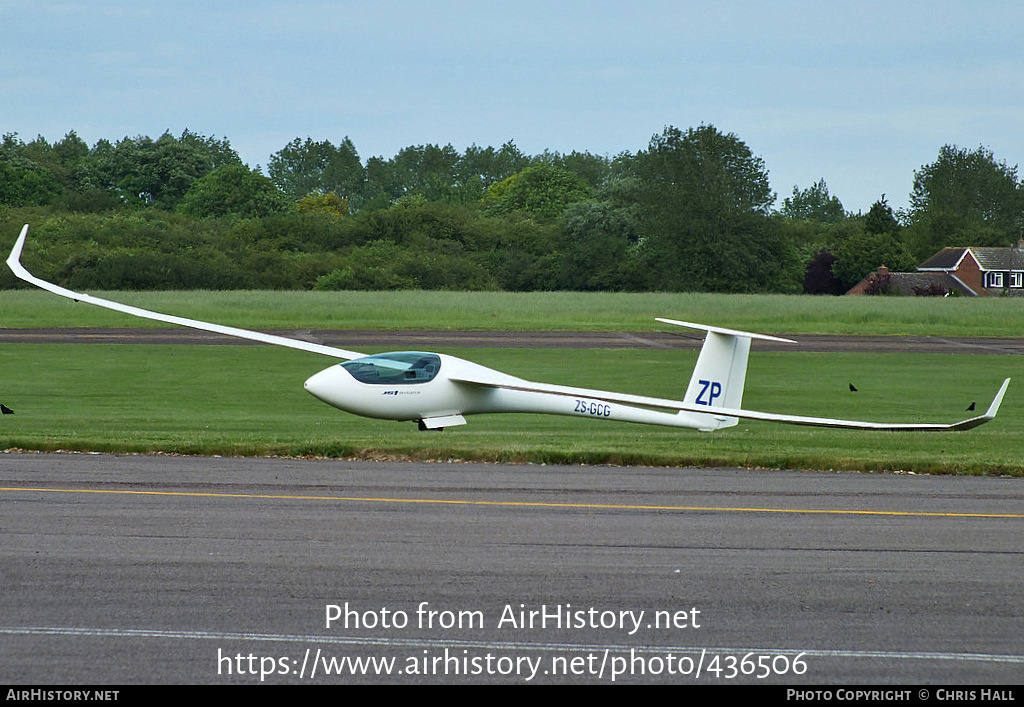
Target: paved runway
<point x="125" y="569"/>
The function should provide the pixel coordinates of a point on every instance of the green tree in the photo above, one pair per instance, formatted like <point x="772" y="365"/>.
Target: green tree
<point x="705" y="202"/>
<point x="483" y="166"/>
<point x="428" y="170"/>
<point x="24" y="181"/>
<point x="813" y="204"/>
<point x="159" y="172"/>
<point x="598" y="247"/>
<point x="308" y="167"/>
<point x="298" y="167"/>
<point x="879" y="242"/>
<point x="541" y="190"/>
<point x="864" y="252"/>
<point x="963" y="196"/>
<point x="62" y="159"/>
<point x="70" y="150"/>
<point x="233" y="190"/>
<point x="592" y="169"/>
<point x="713" y="171"/>
<point x="330" y="204"/>
<point x="881" y="219"/>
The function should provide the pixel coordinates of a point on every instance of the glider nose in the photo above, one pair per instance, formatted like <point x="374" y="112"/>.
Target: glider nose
<point x="326" y="385"/>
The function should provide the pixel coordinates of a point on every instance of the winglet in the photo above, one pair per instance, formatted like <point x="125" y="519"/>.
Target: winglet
<point x="997" y="401"/>
<point x="14" y="259"/>
<point x="989" y="414"/>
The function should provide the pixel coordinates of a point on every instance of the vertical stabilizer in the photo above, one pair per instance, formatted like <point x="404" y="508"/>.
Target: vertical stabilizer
<point x="721" y="371"/>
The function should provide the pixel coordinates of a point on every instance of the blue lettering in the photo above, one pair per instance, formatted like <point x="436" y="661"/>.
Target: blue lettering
<point x="714" y="392"/>
<point x="700" y="395"/>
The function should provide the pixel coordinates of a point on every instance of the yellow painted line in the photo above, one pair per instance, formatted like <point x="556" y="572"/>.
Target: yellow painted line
<point x="527" y="504"/>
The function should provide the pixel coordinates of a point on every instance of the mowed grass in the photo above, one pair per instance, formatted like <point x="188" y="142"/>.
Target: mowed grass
<point x="535" y="311"/>
<point x="249" y="400"/>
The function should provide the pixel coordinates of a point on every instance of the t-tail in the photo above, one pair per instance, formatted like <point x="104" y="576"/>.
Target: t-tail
<point x="720" y="373"/>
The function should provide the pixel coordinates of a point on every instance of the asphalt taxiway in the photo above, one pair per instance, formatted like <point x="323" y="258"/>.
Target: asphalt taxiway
<point x="155" y="569"/>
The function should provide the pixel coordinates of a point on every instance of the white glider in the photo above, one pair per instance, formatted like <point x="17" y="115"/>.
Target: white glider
<point x="437" y="390"/>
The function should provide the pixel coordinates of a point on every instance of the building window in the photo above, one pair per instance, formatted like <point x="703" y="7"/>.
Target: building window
<point x="1017" y="279"/>
<point x="995" y="279"/>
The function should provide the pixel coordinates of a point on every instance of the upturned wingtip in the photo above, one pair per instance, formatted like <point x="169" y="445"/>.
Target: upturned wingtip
<point x="15" y="257"/>
<point x="997" y="401"/>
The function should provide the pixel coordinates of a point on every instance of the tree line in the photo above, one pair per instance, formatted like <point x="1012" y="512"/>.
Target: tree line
<point x="694" y="211"/>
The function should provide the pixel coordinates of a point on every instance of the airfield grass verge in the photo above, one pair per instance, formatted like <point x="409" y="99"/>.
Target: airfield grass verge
<point x="535" y="311"/>
<point x="249" y="401"/>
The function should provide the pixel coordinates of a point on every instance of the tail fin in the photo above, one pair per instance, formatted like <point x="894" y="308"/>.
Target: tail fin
<point x="720" y="372"/>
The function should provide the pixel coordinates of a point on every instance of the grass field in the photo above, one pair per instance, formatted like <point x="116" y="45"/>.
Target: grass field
<point x="536" y="311"/>
<point x="249" y="401"/>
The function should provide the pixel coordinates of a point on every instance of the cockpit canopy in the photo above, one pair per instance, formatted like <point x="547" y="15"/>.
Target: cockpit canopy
<point x="396" y="368"/>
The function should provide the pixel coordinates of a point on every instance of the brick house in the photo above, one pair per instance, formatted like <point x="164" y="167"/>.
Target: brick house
<point x="973" y="272"/>
<point x="985" y="271"/>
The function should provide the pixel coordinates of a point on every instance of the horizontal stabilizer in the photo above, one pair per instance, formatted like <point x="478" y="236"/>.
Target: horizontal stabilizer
<point x="722" y="330"/>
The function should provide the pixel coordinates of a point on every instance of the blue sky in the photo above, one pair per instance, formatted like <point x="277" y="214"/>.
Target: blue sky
<point x="858" y="93"/>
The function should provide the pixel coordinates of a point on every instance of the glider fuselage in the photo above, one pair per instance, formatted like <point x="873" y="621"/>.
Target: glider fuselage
<point x="409" y="385"/>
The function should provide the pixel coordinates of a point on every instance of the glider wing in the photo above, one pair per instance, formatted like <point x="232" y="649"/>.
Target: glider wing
<point x="14" y="263"/>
